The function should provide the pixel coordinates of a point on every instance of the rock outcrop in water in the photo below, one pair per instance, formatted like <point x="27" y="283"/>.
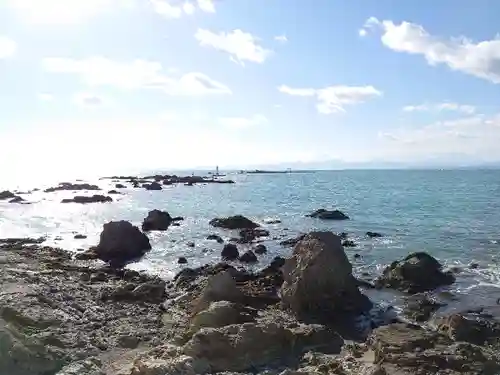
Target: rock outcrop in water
<point x="230" y="252"/>
<point x="328" y="215"/>
<point x="318" y="278"/>
<point x="251" y="234"/>
<point x="152" y="186"/>
<point x="88" y="199"/>
<point x="234" y="222"/>
<point x="157" y="220"/>
<point x="418" y="272"/>
<point x="70" y="186"/>
<point x="6" y="195"/>
<point x="121" y="242"/>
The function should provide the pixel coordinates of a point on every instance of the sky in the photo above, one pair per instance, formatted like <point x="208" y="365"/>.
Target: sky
<point x="115" y="85"/>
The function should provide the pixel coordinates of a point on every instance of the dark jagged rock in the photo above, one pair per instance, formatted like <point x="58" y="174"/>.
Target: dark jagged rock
<point x="182" y="260"/>
<point x="343" y="235"/>
<point x="260" y="249"/>
<point x="80" y="236"/>
<point x="420" y="307"/>
<point x="248" y="257"/>
<point x="121" y="242"/>
<point x="215" y="237"/>
<point x="319" y="280"/>
<point x="88" y="199"/>
<point x="178" y="218"/>
<point x="156" y="220"/>
<point x="70" y="186"/>
<point x="113" y="192"/>
<point x="152" y="186"/>
<point x="120" y="186"/>
<point x="373" y="234"/>
<point x="230" y="252"/>
<point x="7" y="195"/>
<point x="349" y="243"/>
<point x="418" y="272"/>
<point x="17" y="199"/>
<point x="272" y="221"/>
<point x="190" y="244"/>
<point x="234" y="222"/>
<point x="292" y="241"/>
<point x="278" y="262"/>
<point x="249" y="235"/>
<point x="328" y="215"/>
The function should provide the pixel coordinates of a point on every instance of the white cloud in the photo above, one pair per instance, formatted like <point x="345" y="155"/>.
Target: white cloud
<point x="8" y="47"/>
<point x="446" y="106"/>
<point x="138" y="74"/>
<point x="476" y="136"/>
<point x="206" y="6"/>
<point x="243" y="122"/>
<point x="62" y="11"/>
<point x="281" y="38"/>
<point x="170" y="9"/>
<point x="46" y="97"/>
<point x="362" y="32"/>
<point x="480" y="59"/>
<point x="88" y="100"/>
<point x="241" y="46"/>
<point x="334" y="99"/>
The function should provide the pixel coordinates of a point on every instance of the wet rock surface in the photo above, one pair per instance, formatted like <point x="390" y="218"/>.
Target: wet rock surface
<point x="418" y="272"/>
<point x="157" y="220"/>
<point x="72" y="187"/>
<point x="328" y="215"/>
<point x="234" y="222"/>
<point x="88" y="199"/>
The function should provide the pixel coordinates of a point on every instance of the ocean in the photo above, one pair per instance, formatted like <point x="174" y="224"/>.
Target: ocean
<point x="452" y="214"/>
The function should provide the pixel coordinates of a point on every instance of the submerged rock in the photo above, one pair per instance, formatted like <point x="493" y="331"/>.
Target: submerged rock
<point x="157" y="220"/>
<point x="318" y="278"/>
<point x="373" y="234"/>
<point x="349" y="243"/>
<point x="88" y="199"/>
<point x="328" y="215"/>
<point x="260" y="249"/>
<point x="234" y="222"/>
<point x="120" y="186"/>
<point x="249" y="235"/>
<point x="121" y="242"/>
<point x="215" y="237"/>
<point x="418" y="272"/>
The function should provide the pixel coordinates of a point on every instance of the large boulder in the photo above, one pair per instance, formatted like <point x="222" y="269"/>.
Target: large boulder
<point x="469" y="327"/>
<point x="230" y="252"/>
<point x="418" y="272"/>
<point x="240" y="347"/>
<point x="157" y="220"/>
<point x="152" y="186"/>
<point x="6" y="195"/>
<point x="318" y="278"/>
<point x="220" y="314"/>
<point x="121" y="242"/>
<point x="220" y="287"/>
<point x="97" y="198"/>
<point x="234" y="222"/>
<point x="249" y="235"/>
<point x="328" y="215"/>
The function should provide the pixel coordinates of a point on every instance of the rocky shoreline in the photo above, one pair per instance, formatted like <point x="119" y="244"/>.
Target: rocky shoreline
<point x="306" y="314"/>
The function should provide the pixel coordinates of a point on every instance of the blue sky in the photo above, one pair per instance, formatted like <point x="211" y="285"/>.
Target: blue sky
<point x="124" y="84"/>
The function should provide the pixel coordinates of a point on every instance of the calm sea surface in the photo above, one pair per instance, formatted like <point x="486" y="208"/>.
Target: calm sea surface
<point x="452" y="214"/>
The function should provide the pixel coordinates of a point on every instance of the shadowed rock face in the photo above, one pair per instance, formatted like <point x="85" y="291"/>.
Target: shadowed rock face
<point x="234" y="222"/>
<point x="418" y="272"/>
<point x="121" y="242"/>
<point x="318" y="278"/>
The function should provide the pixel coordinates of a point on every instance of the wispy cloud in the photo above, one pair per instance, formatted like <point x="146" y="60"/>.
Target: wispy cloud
<point x="171" y="9"/>
<point x="446" y="106"/>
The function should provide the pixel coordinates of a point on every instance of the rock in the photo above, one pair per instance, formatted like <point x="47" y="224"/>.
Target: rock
<point x="90" y="366"/>
<point x="248" y="235"/>
<point x="474" y="266"/>
<point x="240" y="347"/>
<point x="80" y="236"/>
<point x="349" y="243"/>
<point x="156" y="220"/>
<point x="230" y="252"/>
<point x="220" y="314"/>
<point x="272" y="221"/>
<point x="420" y="307"/>
<point x="248" y="257"/>
<point x="178" y="218"/>
<point x="292" y="241"/>
<point x="182" y="260"/>
<point x="220" y="287"/>
<point x="190" y="244"/>
<point x="471" y="328"/>
<point x="234" y="222"/>
<point x="113" y="192"/>
<point x="328" y="215"/>
<point x="120" y="186"/>
<point x="152" y="291"/>
<point x="121" y="242"/>
<point x="152" y="186"/>
<point x="318" y="278"/>
<point x="17" y="199"/>
<point x="73" y="187"/>
<point x="6" y="195"/>
<point x="418" y="272"/>
<point x="88" y="199"/>
<point x="357" y="256"/>
<point x="373" y="234"/>
<point x="260" y="249"/>
<point x="343" y="235"/>
<point x="214" y="237"/>
<point x="278" y="262"/>
<point x="317" y="337"/>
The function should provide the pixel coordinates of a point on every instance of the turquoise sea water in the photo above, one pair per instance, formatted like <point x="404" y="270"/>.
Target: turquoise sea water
<point x="452" y="214"/>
